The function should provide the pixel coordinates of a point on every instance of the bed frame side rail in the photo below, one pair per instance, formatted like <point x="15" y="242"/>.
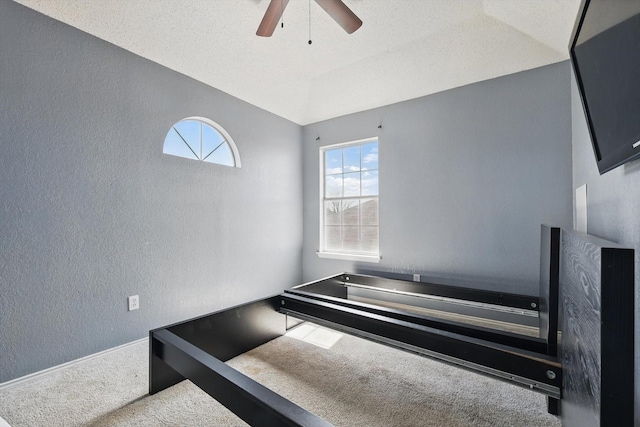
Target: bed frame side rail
<point x="537" y="371"/>
<point x="534" y="344"/>
<point x="254" y="403"/>
<point x="426" y="289"/>
<point x="224" y="334"/>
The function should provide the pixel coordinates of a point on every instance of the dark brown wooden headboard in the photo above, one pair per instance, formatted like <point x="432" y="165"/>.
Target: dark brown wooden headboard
<point x="597" y="346"/>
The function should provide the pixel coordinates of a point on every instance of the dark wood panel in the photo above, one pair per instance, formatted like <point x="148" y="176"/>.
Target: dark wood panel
<point x="617" y="332"/>
<point x="549" y="286"/>
<point x="549" y="296"/>
<point x="526" y="302"/>
<point x="249" y="400"/>
<point x="233" y="331"/>
<point x="597" y="293"/>
<point x="537" y="371"/>
<point x="223" y="334"/>
<point x="494" y="335"/>
<point x="331" y="286"/>
<point x="161" y="375"/>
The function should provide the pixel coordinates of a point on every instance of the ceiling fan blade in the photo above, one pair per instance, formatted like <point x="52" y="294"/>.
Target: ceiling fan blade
<point x="341" y="14"/>
<point x="271" y="17"/>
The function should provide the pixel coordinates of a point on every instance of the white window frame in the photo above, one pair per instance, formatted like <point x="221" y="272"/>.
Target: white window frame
<point x="347" y="256"/>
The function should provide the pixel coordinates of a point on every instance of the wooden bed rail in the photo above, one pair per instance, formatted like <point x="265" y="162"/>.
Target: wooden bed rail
<point x="335" y="286"/>
<point x="223" y="334"/>
<point x="254" y="403"/>
<point x="536" y="371"/>
<point x="535" y="344"/>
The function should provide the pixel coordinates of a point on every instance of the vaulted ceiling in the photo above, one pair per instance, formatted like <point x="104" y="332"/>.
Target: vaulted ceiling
<point x="405" y="48"/>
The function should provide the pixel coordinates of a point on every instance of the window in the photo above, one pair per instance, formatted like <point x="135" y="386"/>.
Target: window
<point x="349" y="201"/>
<point x="198" y="138"/>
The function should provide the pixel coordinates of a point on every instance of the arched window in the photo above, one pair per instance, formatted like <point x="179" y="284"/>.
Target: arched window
<point x="198" y="138"/>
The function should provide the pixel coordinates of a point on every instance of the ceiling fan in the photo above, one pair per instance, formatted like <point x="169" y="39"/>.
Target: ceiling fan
<point x="335" y="8"/>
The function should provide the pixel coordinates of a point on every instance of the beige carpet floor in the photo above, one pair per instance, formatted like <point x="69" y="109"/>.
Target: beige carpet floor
<point x="353" y="383"/>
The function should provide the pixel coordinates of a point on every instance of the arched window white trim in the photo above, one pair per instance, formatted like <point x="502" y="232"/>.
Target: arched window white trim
<point x="199" y="138"/>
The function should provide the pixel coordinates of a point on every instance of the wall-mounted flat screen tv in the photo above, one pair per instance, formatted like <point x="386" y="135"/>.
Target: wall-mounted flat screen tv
<point x="605" y="54"/>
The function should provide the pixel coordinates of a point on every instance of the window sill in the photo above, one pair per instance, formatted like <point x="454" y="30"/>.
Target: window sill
<point x="349" y="257"/>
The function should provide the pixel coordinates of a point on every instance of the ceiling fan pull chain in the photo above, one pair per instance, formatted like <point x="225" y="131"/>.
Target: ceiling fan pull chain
<point x="309" y="21"/>
<point x="282" y="15"/>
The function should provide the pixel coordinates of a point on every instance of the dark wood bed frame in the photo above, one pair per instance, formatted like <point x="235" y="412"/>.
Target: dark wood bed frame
<point x="196" y="349"/>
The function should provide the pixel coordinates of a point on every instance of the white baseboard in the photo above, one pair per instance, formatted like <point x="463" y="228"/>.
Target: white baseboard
<point x="3" y="423"/>
<point x="15" y="382"/>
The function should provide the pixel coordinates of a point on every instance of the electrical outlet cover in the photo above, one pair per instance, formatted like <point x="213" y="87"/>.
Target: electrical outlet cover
<point x="134" y="302"/>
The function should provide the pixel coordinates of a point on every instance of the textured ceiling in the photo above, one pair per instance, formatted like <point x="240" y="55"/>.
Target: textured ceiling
<point x="405" y="48"/>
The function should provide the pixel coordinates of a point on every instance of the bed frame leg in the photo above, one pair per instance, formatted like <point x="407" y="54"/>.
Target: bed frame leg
<point x="161" y="375"/>
<point x="553" y="406"/>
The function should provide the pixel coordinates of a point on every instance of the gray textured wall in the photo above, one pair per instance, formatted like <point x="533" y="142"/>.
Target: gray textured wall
<point x="466" y="178"/>
<point x="613" y="204"/>
<point x="91" y="211"/>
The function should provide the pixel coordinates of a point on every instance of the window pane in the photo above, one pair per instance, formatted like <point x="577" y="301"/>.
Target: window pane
<point x="332" y="212"/>
<point x="333" y="161"/>
<point x="333" y="186"/>
<point x="352" y="184"/>
<point x="370" y="183"/>
<point x="211" y="139"/>
<point x="350" y="200"/>
<point x="369" y="208"/>
<point x="369" y="239"/>
<point x="223" y="156"/>
<point x="174" y="145"/>
<point x="351" y="239"/>
<point x="189" y="130"/>
<point x="332" y="241"/>
<point x="200" y="139"/>
<point x="370" y="156"/>
<point x="351" y="212"/>
<point x="351" y="156"/>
